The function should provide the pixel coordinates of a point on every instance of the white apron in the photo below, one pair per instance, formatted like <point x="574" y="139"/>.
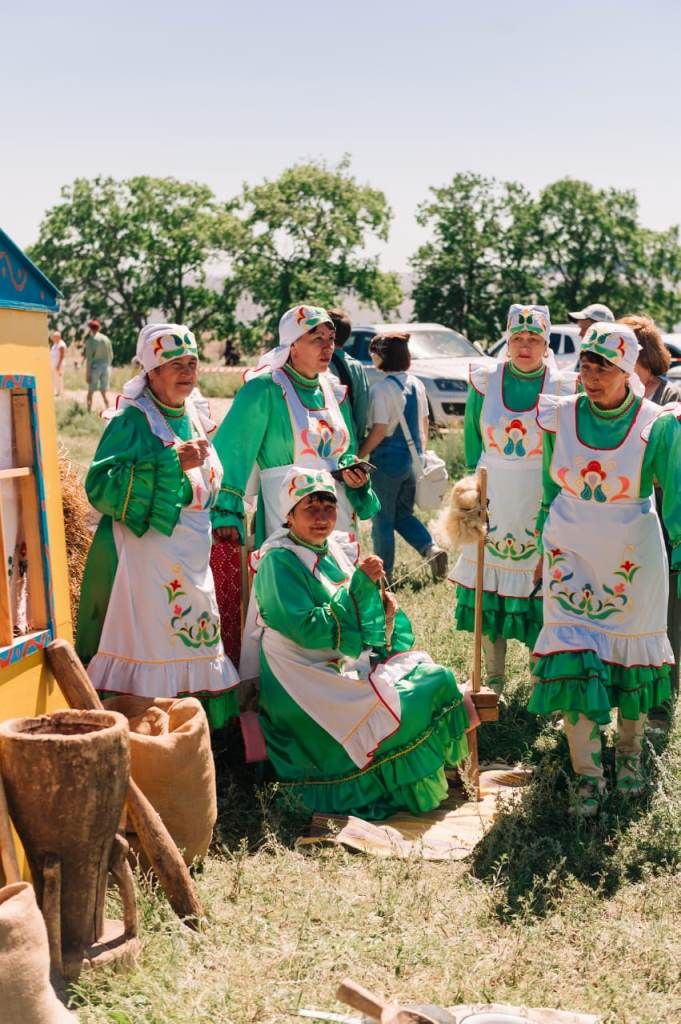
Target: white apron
<point x="512" y="454"/>
<point x="161" y="633"/>
<point x="320" y="437"/>
<point x="605" y="566"/>
<point x="357" y="705"/>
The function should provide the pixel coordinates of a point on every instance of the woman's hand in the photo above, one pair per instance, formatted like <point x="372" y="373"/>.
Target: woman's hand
<point x="372" y="566"/>
<point x="538" y="571"/>
<point x="354" y="478"/>
<point x="230" y="534"/>
<point x="192" y="454"/>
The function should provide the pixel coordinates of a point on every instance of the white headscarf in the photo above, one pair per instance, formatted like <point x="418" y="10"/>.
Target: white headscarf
<point x="157" y="344"/>
<point x="532" y="318"/>
<point x="294" y="323"/>
<point x="300" y="482"/>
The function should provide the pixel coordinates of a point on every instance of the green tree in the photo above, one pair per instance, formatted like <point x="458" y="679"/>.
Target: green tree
<point x="481" y="256"/>
<point x="303" y="239"/>
<point x="125" y="250"/>
<point x="591" y="248"/>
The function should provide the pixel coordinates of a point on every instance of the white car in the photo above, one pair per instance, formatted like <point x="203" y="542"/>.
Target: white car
<point x="440" y="357"/>
<point x="563" y="342"/>
<point x="673" y="345"/>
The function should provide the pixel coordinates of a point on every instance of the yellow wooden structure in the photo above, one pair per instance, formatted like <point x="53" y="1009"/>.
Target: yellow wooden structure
<point x="34" y="590"/>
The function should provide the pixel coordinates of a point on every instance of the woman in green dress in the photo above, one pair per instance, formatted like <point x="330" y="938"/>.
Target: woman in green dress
<point x="148" y="622"/>
<point x="501" y="433"/>
<point x="604" y="642"/>
<point x="355" y="720"/>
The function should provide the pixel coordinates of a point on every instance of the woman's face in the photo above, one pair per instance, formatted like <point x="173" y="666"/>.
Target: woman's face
<point x="605" y="385"/>
<point x="643" y="372"/>
<point x="311" y="353"/>
<point x="313" y="518"/>
<point x="526" y="350"/>
<point x="175" y="380"/>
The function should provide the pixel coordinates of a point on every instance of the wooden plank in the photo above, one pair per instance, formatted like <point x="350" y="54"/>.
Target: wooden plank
<point x="6" y="623"/>
<point x="30" y="511"/>
<point x="12" y="474"/>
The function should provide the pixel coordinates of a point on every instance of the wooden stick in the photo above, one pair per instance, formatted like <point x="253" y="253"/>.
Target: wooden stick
<point x="154" y="838"/>
<point x="8" y="857"/>
<point x="479" y="582"/>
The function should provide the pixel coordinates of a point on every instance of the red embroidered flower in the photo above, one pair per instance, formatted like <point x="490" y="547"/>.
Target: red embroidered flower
<point x="555" y="552"/>
<point x="175" y="585"/>
<point x="594" y="467"/>
<point x="627" y="566"/>
<point x="619" y="588"/>
<point x="177" y="610"/>
<point x="557" y="574"/>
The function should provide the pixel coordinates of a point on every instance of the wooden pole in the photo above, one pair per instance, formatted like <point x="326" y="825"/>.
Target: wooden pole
<point x="154" y="838"/>
<point x="8" y="857"/>
<point x="479" y="584"/>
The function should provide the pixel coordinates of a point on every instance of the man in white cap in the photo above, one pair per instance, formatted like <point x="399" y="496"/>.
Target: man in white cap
<point x="289" y="411"/>
<point x="596" y="312"/>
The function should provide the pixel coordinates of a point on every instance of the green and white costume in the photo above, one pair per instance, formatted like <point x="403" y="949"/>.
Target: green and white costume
<point x="604" y="640"/>
<point x="501" y="433"/>
<point x="352" y="725"/>
<point x="148" y="621"/>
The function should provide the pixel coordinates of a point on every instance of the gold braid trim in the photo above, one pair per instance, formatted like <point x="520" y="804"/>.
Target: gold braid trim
<point x="128" y="493"/>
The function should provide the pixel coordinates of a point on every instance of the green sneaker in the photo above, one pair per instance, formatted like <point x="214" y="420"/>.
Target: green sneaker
<point x="588" y="798"/>
<point x="629" y="778"/>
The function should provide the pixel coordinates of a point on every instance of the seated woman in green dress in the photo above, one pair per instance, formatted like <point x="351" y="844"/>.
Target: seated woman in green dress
<point x="355" y="720"/>
<point x="148" y="620"/>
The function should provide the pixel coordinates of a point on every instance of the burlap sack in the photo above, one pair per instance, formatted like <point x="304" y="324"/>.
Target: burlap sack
<point x="172" y="763"/>
<point x="26" y="996"/>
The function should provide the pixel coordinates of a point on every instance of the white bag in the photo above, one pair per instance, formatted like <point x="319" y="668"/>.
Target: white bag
<point x="431" y="472"/>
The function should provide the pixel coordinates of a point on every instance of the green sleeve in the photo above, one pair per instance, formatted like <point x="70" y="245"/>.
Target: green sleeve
<point x="238" y="442"/>
<point x="364" y="501"/>
<point x="549" y="487"/>
<point x="472" y="435"/>
<point x="135" y="479"/>
<point x="291" y="601"/>
<point x="662" y="463"/>
<point x="360" y="397"/>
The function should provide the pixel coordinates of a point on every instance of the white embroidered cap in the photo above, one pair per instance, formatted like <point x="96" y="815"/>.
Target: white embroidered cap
<point x="535" y="319"/>
<point x="299" y="482"/>
<point x="158" y="344"/>
<point x="295" y="322"/>
<point x="615" y="342"/>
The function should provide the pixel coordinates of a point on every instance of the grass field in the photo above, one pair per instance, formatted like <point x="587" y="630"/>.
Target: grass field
<point x="549" y="911"/>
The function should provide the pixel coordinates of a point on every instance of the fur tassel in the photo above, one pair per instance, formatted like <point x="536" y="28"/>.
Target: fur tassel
<point x="462" y="521"/>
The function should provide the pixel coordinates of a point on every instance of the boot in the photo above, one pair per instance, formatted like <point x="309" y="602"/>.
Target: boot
<point x="584" y="741"/>
<point x="628" y="754"/>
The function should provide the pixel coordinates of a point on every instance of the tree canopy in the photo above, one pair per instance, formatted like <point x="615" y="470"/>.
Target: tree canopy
<point x="122" y="250"/>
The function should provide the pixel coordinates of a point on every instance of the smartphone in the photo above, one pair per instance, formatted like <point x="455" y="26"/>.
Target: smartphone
<point x="368" y="467"/>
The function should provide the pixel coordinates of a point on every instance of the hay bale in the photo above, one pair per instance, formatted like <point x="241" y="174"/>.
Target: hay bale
<point x="77" y="526"/>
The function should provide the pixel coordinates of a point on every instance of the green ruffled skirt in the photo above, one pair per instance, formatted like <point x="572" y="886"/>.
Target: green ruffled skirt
<point x="578" y="682"/>
<point x="513" y="618"/>
<point x="408" y="768"/>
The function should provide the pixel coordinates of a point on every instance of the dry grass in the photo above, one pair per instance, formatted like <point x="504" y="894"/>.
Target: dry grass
<point x="77" y="527"/>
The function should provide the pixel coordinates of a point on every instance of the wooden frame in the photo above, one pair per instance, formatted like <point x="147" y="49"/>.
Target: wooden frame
<point x="27" y="472"/>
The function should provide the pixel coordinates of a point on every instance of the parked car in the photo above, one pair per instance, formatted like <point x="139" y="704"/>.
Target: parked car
<point x="672" y="343"/>
<point x="563" y="341"/>
<point x="440" y="357"/>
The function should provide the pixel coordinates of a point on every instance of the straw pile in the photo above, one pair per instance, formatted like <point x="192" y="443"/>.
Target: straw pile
<point x="77" y="526"/>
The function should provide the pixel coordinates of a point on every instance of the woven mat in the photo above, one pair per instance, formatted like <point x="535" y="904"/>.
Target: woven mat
<point x="449" y="833"/>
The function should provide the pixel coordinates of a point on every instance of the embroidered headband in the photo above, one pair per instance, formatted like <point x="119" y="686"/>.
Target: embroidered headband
<point x="535" y="319"/>
<point x="299" y="482"/>
<point x="158" y="344"/>
<point x="615" y="342"/>
<point x="293" y="325"/>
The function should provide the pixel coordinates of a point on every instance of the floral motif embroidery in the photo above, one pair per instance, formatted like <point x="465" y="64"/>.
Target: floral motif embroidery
<point x="606" y="344"/>
<point x="586" y="601"/>
<point x="311" y="316"/>
<point x="509" y="548"/>
<point x="182" y="345"/>
<point x="324" y="442"/>
<point x="594" y="481"/>
<point x="306" y="483"/>
<point x="515" y="441"/>
<point x="205" y="632"/>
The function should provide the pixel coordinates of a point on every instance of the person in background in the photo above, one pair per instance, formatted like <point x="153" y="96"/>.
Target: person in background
<point x="98" y="360"/>
<point x="350" y="372"/>
<point x="397" y="393"/>
<point x="652" y="364"/>
<point x="500" y="433"/>
<point x="594" y="313"/>
<point x="57" y="356"/>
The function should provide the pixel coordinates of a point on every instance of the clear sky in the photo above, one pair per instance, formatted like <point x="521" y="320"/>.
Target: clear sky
<point x="225" y="92"/>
